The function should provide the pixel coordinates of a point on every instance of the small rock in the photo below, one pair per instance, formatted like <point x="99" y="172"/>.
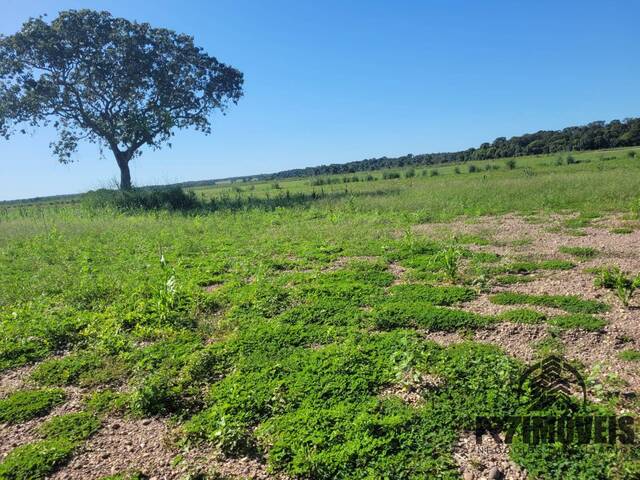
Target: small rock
<point x="495" y="474"/>
<point x="115" y="426"/>
<point x="105" y="455"/>
<point x="467" y="475"/>
<point x="146" y="421"/>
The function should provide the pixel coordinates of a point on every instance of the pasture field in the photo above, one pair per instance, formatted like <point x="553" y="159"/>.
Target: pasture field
<point x="322" y="327"/>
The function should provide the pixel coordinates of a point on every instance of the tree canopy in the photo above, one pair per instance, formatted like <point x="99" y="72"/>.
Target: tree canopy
<point x="108" y="80"/>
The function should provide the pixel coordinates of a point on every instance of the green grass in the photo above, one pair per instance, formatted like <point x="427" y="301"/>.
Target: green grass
<point x="582" y="253"/>
<point x="24" y="405"/>
<point x="578" y="320"/>
<point x="568" y="303"/>
<point x="37" y="460"/>
<point x="630" y="355"/>
<point x="73" y="426"/>
<point x="286" y="356"/>
<point x="85" y="368"/>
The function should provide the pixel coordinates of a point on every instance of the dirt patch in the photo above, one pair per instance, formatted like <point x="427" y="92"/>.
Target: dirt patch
<point x="213" y="287"/>
<point x="15" y="379"/>
<point x="145" y="446"/>
<point x="487" y="460"/>
<point x="398" y="272"/>
<point x="516" y="339"/>
<point x="342" y="262"/>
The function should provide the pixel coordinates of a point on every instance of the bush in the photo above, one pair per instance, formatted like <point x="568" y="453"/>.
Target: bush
<point x="456" y="170"/>
<point x="390" y="175"/>
<point x="510" y="164"/>
<point x="473" y="168"/>
<point x="410" y="173"/>
<point x="571" y="160"/>
<point x="169" y="198"/>
<point x="24" y="405"/>
<point x="434" y="173"/>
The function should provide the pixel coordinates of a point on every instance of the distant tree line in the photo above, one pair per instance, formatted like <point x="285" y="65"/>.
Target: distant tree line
<point x="594" y="136"/>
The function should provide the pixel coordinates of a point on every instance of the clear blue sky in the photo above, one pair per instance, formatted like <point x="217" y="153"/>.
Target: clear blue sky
<point x="335" y="81"/>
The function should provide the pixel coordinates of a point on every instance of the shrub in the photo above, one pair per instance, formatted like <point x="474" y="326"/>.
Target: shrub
<point x="390" y="175"/>
<point x="578" y="320"/>
<point x="166" y="198"/>
<point x="631" y="154"/>
<point x="456" y="170"/>
<point x="24" y="405"/>
<point x="410" y="173"/>
<point x="472" y="168"/>
<point x="510" y="164"/>
<point x="434" y="173"/>
<point x="571" y="160"/>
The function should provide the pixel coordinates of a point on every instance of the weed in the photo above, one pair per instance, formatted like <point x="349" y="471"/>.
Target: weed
<point x="614" y="279"/>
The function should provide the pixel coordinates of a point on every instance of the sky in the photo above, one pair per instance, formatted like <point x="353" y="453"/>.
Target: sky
<point x="335" y="81"/>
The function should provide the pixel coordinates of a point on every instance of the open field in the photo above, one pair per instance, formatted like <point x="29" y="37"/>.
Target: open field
<point x="320" y="327"/>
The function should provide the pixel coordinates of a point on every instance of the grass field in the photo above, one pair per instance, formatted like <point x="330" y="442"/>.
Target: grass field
<point x="319" y="327"/>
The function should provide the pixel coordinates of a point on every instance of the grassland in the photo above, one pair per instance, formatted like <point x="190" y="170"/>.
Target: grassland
<point x="291" y="329"/>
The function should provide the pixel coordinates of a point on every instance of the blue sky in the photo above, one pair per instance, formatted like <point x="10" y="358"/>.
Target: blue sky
<point x="335" y="81"/>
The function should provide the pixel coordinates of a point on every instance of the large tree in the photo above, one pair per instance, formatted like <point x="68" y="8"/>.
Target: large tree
<point x="108" y="80"/>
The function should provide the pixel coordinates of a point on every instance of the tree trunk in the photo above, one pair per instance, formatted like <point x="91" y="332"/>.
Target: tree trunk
<point x="125" y="175"/>
<point x="122" y="158"/>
